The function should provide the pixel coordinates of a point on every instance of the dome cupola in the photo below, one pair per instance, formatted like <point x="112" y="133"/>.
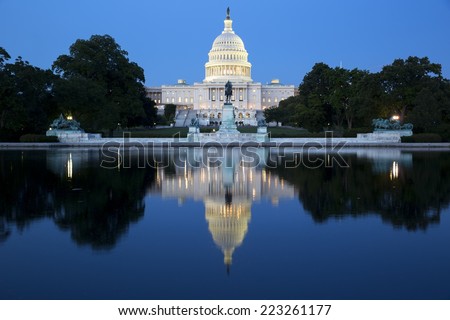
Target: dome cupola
<point x="228" y="59"/>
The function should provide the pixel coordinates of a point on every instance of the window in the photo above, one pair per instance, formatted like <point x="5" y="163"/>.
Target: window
<point x="241" y="98"/>
<point x="264" y="100"/>
<point x="167" y="100"/>
<point x="185" y="100"/>
<point x="173" y="100"/>
<point x="179" y="99"/>
<point x="192" y="100"/>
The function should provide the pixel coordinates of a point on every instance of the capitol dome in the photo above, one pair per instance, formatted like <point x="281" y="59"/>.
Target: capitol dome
<point x="228" y="59"/>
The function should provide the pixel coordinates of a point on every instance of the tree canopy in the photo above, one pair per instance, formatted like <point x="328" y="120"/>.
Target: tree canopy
<point x="340" y="98"/>
<point x="100" y="86"/>
<point x="26" y="97"/>
<point x="95" y="83"/>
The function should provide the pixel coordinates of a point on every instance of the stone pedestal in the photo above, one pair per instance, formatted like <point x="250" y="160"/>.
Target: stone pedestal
<point x="262" y="130"/>
<point x="228" y="122"/>
<point x="193" y="129"/>
<point x="68" y="135"/>
<point x="228" y="131"/>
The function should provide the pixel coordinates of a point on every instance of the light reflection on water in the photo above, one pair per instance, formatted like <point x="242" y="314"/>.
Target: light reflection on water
<point x="289" y="227"/>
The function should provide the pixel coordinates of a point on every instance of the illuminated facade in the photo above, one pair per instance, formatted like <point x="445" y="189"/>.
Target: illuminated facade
<point x="228" y="60"/>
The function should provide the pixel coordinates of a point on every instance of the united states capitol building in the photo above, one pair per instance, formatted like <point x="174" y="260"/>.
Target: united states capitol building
<point x="228" y="61"/>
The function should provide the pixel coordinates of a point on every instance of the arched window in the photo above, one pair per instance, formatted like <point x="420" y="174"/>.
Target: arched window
<point x="219" y="115"/>
<point x="247" y="115"/>
<point x="240" y="115"/>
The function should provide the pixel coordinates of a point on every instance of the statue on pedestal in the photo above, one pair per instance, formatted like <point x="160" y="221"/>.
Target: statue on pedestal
<point x="228" y="92"/>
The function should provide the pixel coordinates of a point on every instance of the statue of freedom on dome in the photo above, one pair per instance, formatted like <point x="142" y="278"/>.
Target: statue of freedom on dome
<point x="228" y="92"/>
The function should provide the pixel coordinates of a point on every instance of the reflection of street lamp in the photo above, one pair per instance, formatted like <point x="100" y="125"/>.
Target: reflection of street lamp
<point x="393" y="174"/>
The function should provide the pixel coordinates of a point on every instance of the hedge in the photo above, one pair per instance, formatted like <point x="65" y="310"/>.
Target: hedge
<point x="423" y="138"/>
<point x="37" y="138"/>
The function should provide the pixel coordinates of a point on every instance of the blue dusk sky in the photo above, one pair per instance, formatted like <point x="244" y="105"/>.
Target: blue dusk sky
<point x="170" y="39"/>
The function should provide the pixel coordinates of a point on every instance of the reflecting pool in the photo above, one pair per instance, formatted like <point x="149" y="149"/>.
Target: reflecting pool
<point x="184" y="224"/>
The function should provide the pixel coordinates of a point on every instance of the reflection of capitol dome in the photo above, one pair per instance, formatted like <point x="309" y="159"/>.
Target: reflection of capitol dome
<point x="227" y="192"/>
<point x="228" y="59"/>
<point x="228" y="224"/>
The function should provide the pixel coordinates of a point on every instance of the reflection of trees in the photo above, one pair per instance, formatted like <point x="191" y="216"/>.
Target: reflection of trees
<point x="413" y="199"/>
<point x="96" y="205"/>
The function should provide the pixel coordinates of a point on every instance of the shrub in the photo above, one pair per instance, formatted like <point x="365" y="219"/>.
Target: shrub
<point x="37" y="138"/>
<point x="444" y="131"/>
<point x="423" y="138"/>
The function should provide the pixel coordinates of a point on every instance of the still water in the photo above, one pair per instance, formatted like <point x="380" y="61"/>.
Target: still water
<point x="157" y="226"/>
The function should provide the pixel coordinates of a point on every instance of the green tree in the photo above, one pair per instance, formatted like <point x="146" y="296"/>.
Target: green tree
<point x="26" y="97"/>
<point x="413" y="88"/>
<point x="365" y="103"/>
<point x="4" y="55"/>
<point x="99" y="85"/>
<point x="426" y="114"/>
<point x="169" y="112"/>
<point x="8" y="99"/>
<point x="314" y="110"/>
<point x="350" y="89"/>
<point x="403" y="80"/>
<point x="150" y="110"/>
<point x="284" y="113"/>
